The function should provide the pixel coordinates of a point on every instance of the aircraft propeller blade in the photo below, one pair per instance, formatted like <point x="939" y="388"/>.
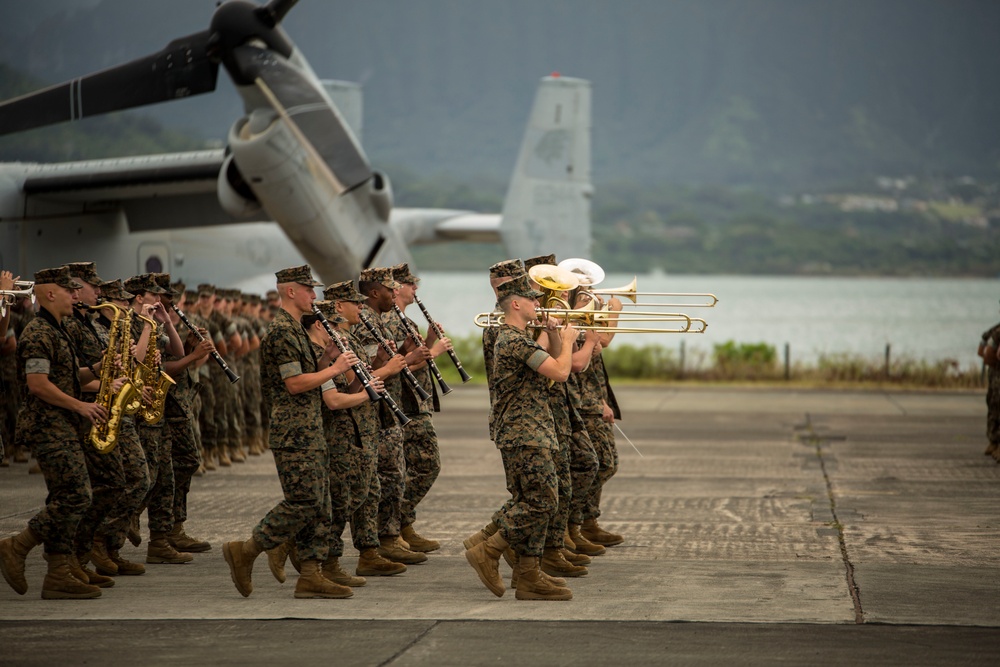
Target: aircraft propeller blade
<point x="276" y="10"/>
<point x="182" y="69"/>
<point x="321" y="130"/>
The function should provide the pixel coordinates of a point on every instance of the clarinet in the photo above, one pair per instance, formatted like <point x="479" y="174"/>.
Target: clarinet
<point x="440" y="333"/>
<point x="359" y="368"/>
<point x="407" y="373"/>
<point x="415" y="335"/>
<point x="230" y="373"/>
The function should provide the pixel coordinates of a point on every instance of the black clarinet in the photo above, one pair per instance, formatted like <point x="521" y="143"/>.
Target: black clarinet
<point x="415" y="335"/>
<point x="359" y="368"/>
<point x="230" y="373"/>
<point x="407" y="373"/>
<point x="440" y="333"/>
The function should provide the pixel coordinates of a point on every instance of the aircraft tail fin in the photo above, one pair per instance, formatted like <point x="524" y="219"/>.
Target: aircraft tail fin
<point x="547" y="208"/>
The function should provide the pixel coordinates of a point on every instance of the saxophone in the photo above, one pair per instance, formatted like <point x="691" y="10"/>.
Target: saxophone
<point x="104" y="436"/>
<point x="147" y="373"/>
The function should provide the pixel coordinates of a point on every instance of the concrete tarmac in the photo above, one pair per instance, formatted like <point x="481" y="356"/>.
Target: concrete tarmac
<point x="762" y="526"/>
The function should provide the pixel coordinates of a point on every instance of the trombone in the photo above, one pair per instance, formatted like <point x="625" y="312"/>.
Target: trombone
<point x="631" y="293"/>
<point x="598" y="321"/>
<point x="22" y="289"/>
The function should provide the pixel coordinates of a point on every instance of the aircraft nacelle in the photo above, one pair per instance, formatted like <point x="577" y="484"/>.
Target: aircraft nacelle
<point x="235" y="195"/>
<point x="380" y="192"/>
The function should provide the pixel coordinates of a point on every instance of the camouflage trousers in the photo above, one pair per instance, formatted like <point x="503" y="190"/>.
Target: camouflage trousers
<point x="339" y="471"/>
<point x="364" y="493"/>
<point x="206" y="417"/>
<point x="159" y="501"/>
<point x="107" y="487"/>
<point x="534" y="497"/>
<point x="391" y="477"/>
<point x="115" y="527"/>
<point x="251" y="399"/>
<point x="64" y="468"/>
<point x="554" y="536"/>
<point x="603" y="438"/>
<point x="303" y="515"/>
<point x="583" y="470"/>
<point x="185" y="459"/>
<point x="423" y="464"/>
<point x="993" y="405"/>
<point x="228" y="410"/>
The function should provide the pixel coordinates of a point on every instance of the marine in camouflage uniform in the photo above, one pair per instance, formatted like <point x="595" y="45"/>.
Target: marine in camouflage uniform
<point x="155" y="437"/>
<point x="105" y="470"/>
<point x="207" y="378"/>
<point x="226" y="396"/>
<point x="364" y="488"/>
<point x="420" y="443"/>
<point x="48" y="366"/>
<point x="253" y="436"/>
<point x="991" y="339"/>
<point x="524" y="431"/>
<point x="11" y="392"/>
<point x="298" y="445"/>
<point x="377" y="285"/>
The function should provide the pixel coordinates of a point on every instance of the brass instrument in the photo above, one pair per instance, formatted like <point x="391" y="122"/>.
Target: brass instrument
<point x="22" y="289"/>
<point x="631" y="293"/>
<point x="127" y="399"/>
<point x="147" y="372"/>
<point x="599" y="321"/>
<point x="553" y="280"/>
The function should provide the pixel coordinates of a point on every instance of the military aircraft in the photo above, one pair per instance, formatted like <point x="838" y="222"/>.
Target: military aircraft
<point x="293" y="183"/>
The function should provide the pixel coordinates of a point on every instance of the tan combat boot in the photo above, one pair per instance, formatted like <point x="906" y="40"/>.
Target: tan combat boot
<point x="101" y="559"/>
<point x="254" y="448"/>
<point x="336" y="574"/>
<point x="370" y="564"/>
<point x="60" y="584"/>
<point x="418" y="542"/>
<point x="13" y="551"/>
<point x="35" y="469"/>
<point x="312" y="584"/>
<point x="555" y="581"/>
<point x="532" y="585"/>
<point x="208" y="461"/>
<point x="391" y="548"/>
<point x="236" y="455"/>
<point x="21" y="455"/>
<point x="159" y="551"/>
<point x="224" y="461"/>
<point x="183" y="542"/>
<point x="555" y="564"/>
<point x="240" y="557"/>
<point x="481" y="535"/>
<point x="581" y="544"/>
<point x="598" y="535"/>
<point x="485" y="560"/>
<point x="276" y="558"/>
<point x="78" y="570"/>
<point x="576" y="559"/>
<point x="125" y="566"/>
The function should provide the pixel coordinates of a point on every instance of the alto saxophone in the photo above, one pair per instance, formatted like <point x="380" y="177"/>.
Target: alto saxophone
<point x="147" y="373"/>
<point x="104" y="436"/>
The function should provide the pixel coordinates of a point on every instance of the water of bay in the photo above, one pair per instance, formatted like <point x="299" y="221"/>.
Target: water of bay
<point x="927" y="319"/>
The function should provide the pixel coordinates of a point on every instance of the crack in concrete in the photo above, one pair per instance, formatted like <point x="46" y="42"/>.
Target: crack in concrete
<point x="816" y="440"/>
<point x="416" y="640"/>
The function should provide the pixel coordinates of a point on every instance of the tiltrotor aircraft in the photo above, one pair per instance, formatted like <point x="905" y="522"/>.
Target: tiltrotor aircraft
<point x="292" y="185"/>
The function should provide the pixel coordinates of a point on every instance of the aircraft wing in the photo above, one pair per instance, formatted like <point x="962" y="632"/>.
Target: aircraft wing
<point x="432" y="225"/>
<point x="167" y="191"/>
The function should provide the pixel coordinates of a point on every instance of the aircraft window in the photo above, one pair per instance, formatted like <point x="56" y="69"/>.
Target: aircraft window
<point x="154" y="264"/>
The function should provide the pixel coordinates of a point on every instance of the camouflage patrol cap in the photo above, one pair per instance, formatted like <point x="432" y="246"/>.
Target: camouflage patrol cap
<point x="517" y="287"/>
<point x="297" y="274"/>
<point x="381" y="275"/>
<point x="401" y="274"/>
<point x="272" y="294"/>
<point x="190" y="295"/>
<point x="206" y="289"/>
<point x="113" y="289"/>
<point x="540" y="259"/>
<point x="143" y="283"/>
<point x="162" y="280"/>
<point x="58" y="276"/>
<point x="178" y="287"/>
<point x="252" y="299"/>
<point x="509" y="268"/>
<point x="85" y="271"/>
<point x="329" y="310"/>
<point x="343" y="291"/>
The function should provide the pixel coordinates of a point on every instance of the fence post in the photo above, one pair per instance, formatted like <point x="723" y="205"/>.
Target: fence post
<point x="681" y="371"/>
<point x="788" y="354"/>
<point x="888" y="347"/>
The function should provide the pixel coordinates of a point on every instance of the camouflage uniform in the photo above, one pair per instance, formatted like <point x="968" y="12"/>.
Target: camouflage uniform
<point x="420" y="444"/>
<point x="226" y="397"/>
<point x="296" y="439"/>
<point x="105" y="470"/>
<point x="992" y="337"/>
<point x="584" y="465"/>
<point x="593" y="395"/>
<point x="524" y="431"/>
<point x="391" y="462"/>
<point x="251" y="384"/>
<point x="156" y="445"/>
<point x="206" y="392"/>
<point x="560" y="406"/>
<point x="55" y="435"/>
<point x="179" y="416"/>
<point x="11" y="391"/>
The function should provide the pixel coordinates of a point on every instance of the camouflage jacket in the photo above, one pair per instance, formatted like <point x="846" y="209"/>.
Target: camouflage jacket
<point x="45" y="348"/>
<point x="296" y="420"/>
<point x="393" y="384"/>
<point x="339" y="427"/>
<point x="521" y="414"/>
<point x="411" y="405"/>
